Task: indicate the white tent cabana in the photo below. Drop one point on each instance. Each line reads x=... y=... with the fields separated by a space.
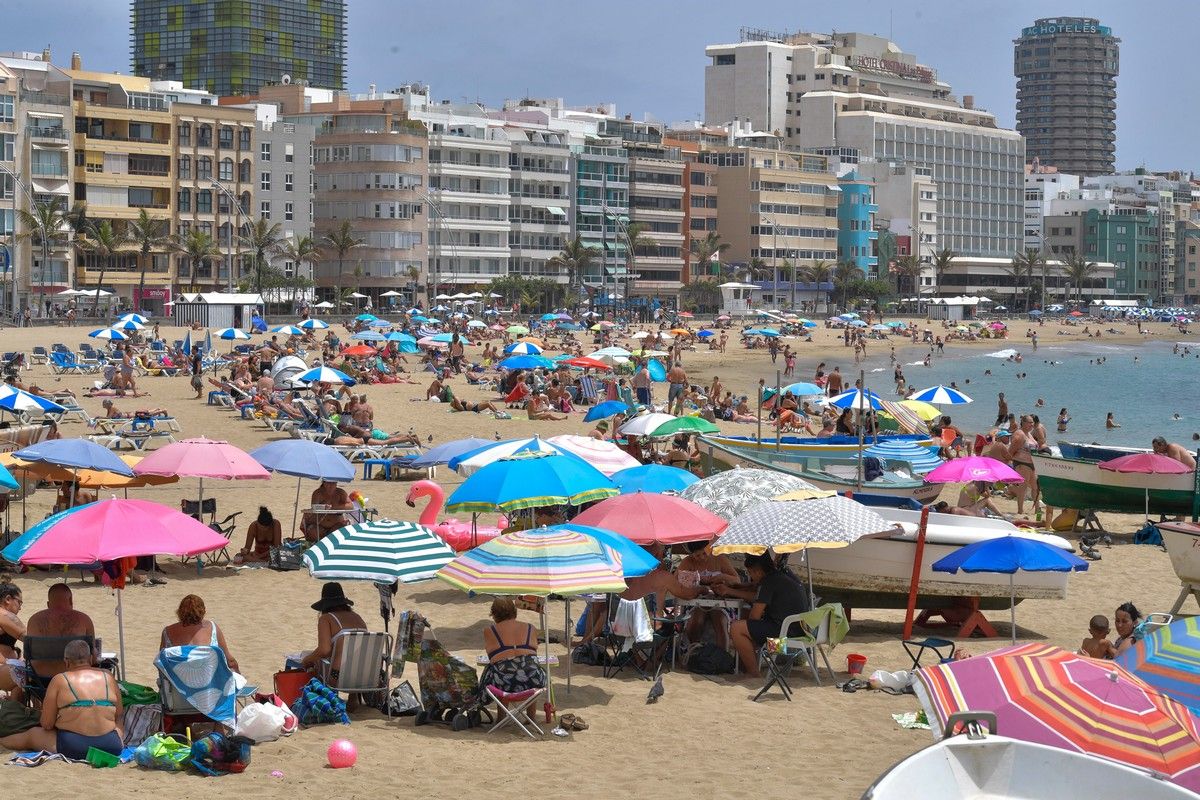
x=216 y=309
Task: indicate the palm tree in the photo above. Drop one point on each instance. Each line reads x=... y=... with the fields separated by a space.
x=844 y=276
x=941 y=264
x=634 y=241
x=105 y=242
x=575 y=259
x=299 y=251
x=197 y=247
x=908 y=269
x=757 y=268
x=148 y=234
x=263 y=238
x=1022 y=269
x=817 y=273
x=1079 y=271
x=340 y=241
x=44 y=225
x=704 y=250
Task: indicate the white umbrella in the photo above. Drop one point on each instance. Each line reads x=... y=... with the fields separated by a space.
x=358 y=296
x=324 y=304
x=391 y=293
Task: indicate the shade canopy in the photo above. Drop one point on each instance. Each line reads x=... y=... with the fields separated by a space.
x=108 y=334
x=302 y=458
x=1144 y=463
x=312 y=325
x=685 y=425
x=530 y=480
x=1008 y=554
x=526 y=362
x=786 y=526
x=653 y=478
x=202 y=458
x=231 y=334
x=858 y=400
x=609 y=408
x=941 y=396
x=383 y=551
x=74 y=454
x=436 y=456
x=635 y=560
x=20 y=401
x=325 y=375
x=473 y=460
x=288 y=330
x=973 y=468
x=523 y=349
x=603 y=455
x=646 y=424
x=1168 y=659
x=653 y=519
x=727 y=494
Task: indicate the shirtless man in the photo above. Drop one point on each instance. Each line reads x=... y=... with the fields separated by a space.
x=834 y=382
x=1175 y=451
x=58 y=618
x=1001 y=409
x=678 y=381
x=317 y=526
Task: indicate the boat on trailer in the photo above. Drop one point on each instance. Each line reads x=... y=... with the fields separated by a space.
x=1080 y=483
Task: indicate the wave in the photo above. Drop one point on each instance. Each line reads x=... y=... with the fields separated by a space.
x=1009 y=353
x=877 y=369
x=915 y=364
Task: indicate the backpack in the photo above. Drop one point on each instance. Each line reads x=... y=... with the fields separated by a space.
x=708 y=659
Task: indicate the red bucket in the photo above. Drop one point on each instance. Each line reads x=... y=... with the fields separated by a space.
x=855 y=663
x=289 y=683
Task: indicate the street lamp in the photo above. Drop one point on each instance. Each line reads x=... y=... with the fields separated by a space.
x=775 y=259
x=450 y=234
x=607 y=212
x=237 y=207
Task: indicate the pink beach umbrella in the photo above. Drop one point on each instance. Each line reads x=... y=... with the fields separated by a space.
x=202 y=458
x=973 y=468
x=114 y=529
x=648 y=518
x=1145 y=464
x=604 y=456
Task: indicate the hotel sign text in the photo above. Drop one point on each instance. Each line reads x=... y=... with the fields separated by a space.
x=923 y=74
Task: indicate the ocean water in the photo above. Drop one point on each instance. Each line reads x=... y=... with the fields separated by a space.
x=1144 y=385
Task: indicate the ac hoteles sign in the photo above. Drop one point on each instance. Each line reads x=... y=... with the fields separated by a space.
x=1053 y=29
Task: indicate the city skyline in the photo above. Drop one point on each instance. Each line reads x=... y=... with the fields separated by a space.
x=975 y=58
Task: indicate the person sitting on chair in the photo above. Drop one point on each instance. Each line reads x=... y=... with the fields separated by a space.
x=337 y=615
x=193 y=628
x=512 y=651
x=58 y=619
x=82 y=709
x=702 y=568
x=316 y=526
x=779 y=596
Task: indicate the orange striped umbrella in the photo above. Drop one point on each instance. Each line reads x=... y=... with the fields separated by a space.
x=1046 y=695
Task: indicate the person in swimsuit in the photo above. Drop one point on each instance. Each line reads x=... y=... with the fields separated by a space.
x=193 y=628
x=337 y=615
x=974 y=500
x=316 y=526
x=82 y=709
x=702 y=568
x=462 y=405
x=262 y=534
x=1020 y=445
x=11 y=630
x=1126 y=618
x=511 y=647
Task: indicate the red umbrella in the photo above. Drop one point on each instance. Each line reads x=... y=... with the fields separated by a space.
x=1145 y=464
x=358 y=351
x=586 y=363
x=648 y=518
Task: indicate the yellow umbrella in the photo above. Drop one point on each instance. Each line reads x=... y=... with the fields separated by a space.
x=532 y=340
x=680 y=332
x=805 y=494
x=924 y=410
x=38 y=469
x=101 y=479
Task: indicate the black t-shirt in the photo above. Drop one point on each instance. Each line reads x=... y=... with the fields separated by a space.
x=783 y=595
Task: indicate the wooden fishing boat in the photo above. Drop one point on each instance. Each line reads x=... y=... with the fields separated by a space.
x=1096 y=452
x=1079 y=483
x=1182 y=540
x=835 y=471
x=827 y=446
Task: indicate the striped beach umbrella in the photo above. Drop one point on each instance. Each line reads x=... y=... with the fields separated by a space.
x=326 y=375
x=108 y=335
x=530 y=480
x=857 y=400
x=604 y=456
x=472 y=461
x=134 y=317
x=523 y=349
x=1169 y=660
x=230 y=334
x=128 y=325
x=540 y=561
x=941 y=396
x=921 y=459
x=288 y=330
x=312 y=325
x=383 y=551
x=1046 y=695
x=20 y=401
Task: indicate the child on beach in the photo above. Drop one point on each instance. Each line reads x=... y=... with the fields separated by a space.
x=1097 y=644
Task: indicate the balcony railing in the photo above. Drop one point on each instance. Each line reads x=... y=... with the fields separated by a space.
x=37 y=97
x=38 y=132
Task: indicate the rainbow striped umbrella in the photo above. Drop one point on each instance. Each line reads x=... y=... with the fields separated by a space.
x=1046 y=695
x=530 y=480
x=540 y=561
x=1169 y=660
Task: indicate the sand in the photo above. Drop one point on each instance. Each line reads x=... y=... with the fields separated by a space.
x=703 y=738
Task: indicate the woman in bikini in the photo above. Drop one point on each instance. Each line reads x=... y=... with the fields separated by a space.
x=337 y=615
x=511 y=647
x=12 y=630
x=1020 y=447
x=193 y=628
x=262 y=534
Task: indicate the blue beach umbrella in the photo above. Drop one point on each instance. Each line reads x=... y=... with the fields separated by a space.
x=326 y=375
x=800 y=389
x=313 y=325
x=1168 y=658
x=75 y=454
x=135 y=317
x=635 y=560
x=1005 y=555
x=653 y=479
x=302 y=458
x=857 y=400
x=609 y=408
x=287 y=330
x=474 y=460
x=941 y=396
x=705 y=334
x=230 y=334
x=7 y=481
x=369 y=336
x=108 y=335
x=436 y=456
x=379 y=323
x=127 y=325
x=549 y=317
x=524 y=349
x=444 y=338
x=365 y=317
x=400 y=338
x=20 y=401
x=526 y=362
x=530 y=480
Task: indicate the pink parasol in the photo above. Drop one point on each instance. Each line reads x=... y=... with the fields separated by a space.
x=973 y=468
x=1145 y=463
x=997 y=326
x=649 y=518
x=604 y=456
x=202 y=458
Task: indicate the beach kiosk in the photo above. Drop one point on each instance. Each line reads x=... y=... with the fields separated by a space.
x=217 y=309
x=736 y=298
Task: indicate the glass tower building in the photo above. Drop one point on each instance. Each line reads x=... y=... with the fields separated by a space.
x=234 y=47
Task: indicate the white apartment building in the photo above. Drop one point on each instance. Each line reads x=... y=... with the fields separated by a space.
x=1042 y=187
x=1158 y=194
x=540 y=193
x=860 y=91
x=907 y=197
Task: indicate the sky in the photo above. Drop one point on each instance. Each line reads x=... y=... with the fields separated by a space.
x=647 y=56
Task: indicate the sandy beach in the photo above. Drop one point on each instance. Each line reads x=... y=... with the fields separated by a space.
x=703 y=738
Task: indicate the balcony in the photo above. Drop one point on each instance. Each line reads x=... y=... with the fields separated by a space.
x=58 y=134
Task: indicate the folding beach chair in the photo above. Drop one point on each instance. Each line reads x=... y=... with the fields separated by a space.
x=44 y=648
x=197 y=510
x=629 y=638
x=588 y=393
x=815 y=633
x=513 y=708
x=362 y=658
x=39 y=355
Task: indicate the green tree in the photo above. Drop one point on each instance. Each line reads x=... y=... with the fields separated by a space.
x=941 y=265
x=575 y=260
x=637 y=243
x=1021 y=269
x=702 y=296
x=148 y=234
x=1080 y=272
x=339 y=242
x=704 y=250
x=104 y=242
x=264 y=239
x=198 y=248
x=299 y=251
x=908 y=273
x=817 y=273
x=845 y=274
x=46 y=226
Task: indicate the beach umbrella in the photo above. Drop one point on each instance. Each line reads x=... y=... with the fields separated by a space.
x=704 y=334
x=288 y=330
x=533 y=340
x=359 y=351
x=603 y=455
x=312 y=325
x=786 y=526
x=858 y=400
x=1007 y=554
x=323 y=304
x=550 y=317
x=108 y=334
x=941 y=396
x=727 y=494
x=383 y=551
x=523 y=349
x=974 y=468
x=230 y=334
x=476 y=323
x=636 y=561
x=110 y=530
x=401 y=338
x=640 y=335
x=609 y=408
x=856 y=323
x=202 y=458
x=134 y=318
x=1145 y=464
x=369 y=336
x=128 y=325
x=1046 y=695
x=7 y=481
x=19 y=401
x=583 y=362
x=530 y=480
x=653 y=478
x=647 y=518
x=517 y=329
x=644 y=424
x=364 y=317
x=379 y=323
x=443 y=338
x=470 y=462
x=800 y=389
x=436 y=456
x=303 y=458
x=74 y=454
x=923 y=410
x=326 y=375
x=1168 y=658
x=997 y=326
x=848 y=315
x=431 y=342
x=526 y=362
x=892 y=324
x=685 y=425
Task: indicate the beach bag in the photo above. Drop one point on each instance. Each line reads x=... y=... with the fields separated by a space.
x=708 y=659
x=1149 y=534
x=286 y=557
x=318 y=703
x=261 y=722
x=402 y=701
x=134 y=694
x=141 y=721
x=169 y=752
x=218 y=754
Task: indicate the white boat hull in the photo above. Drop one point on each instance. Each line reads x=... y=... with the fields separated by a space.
x=1182 y=540
x=999 y=767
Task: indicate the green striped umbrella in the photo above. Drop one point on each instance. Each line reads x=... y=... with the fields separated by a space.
x=383 y=551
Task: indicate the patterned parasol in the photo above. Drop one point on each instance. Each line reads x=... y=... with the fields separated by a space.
x=731 y=492
x=1169 y=660
x=383 y=551
x=786 y=526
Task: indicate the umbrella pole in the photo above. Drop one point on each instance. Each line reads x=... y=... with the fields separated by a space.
x=296 y=506
x=567 y=640
x=121 y=629
x=778 y=403
x=758 y=410
x=862 y=394
x=1012 y=596
x=812 y=598
x=549 y=707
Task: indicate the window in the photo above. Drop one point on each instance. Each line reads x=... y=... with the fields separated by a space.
x=264 y=209
x=264 y=182
x=225 y=172
x=7 y=102
x=225 y=136
x=204 y=136
x=184 y=133
x=244 y=138
x=288 y=152
x=287 y=182
x=204 y=168
x=7 y=141
x=264 y=153
x=204 y=201
x=185 y=166
x=223 y=206
x=287 y=211
x=725 y=60
x=244 y=170
x=185 y=200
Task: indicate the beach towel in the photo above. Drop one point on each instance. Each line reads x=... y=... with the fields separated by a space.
x=201 y=674
x=318 y=703
x=36 y=759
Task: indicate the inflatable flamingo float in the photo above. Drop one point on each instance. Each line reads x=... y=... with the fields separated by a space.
x=454 y=532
